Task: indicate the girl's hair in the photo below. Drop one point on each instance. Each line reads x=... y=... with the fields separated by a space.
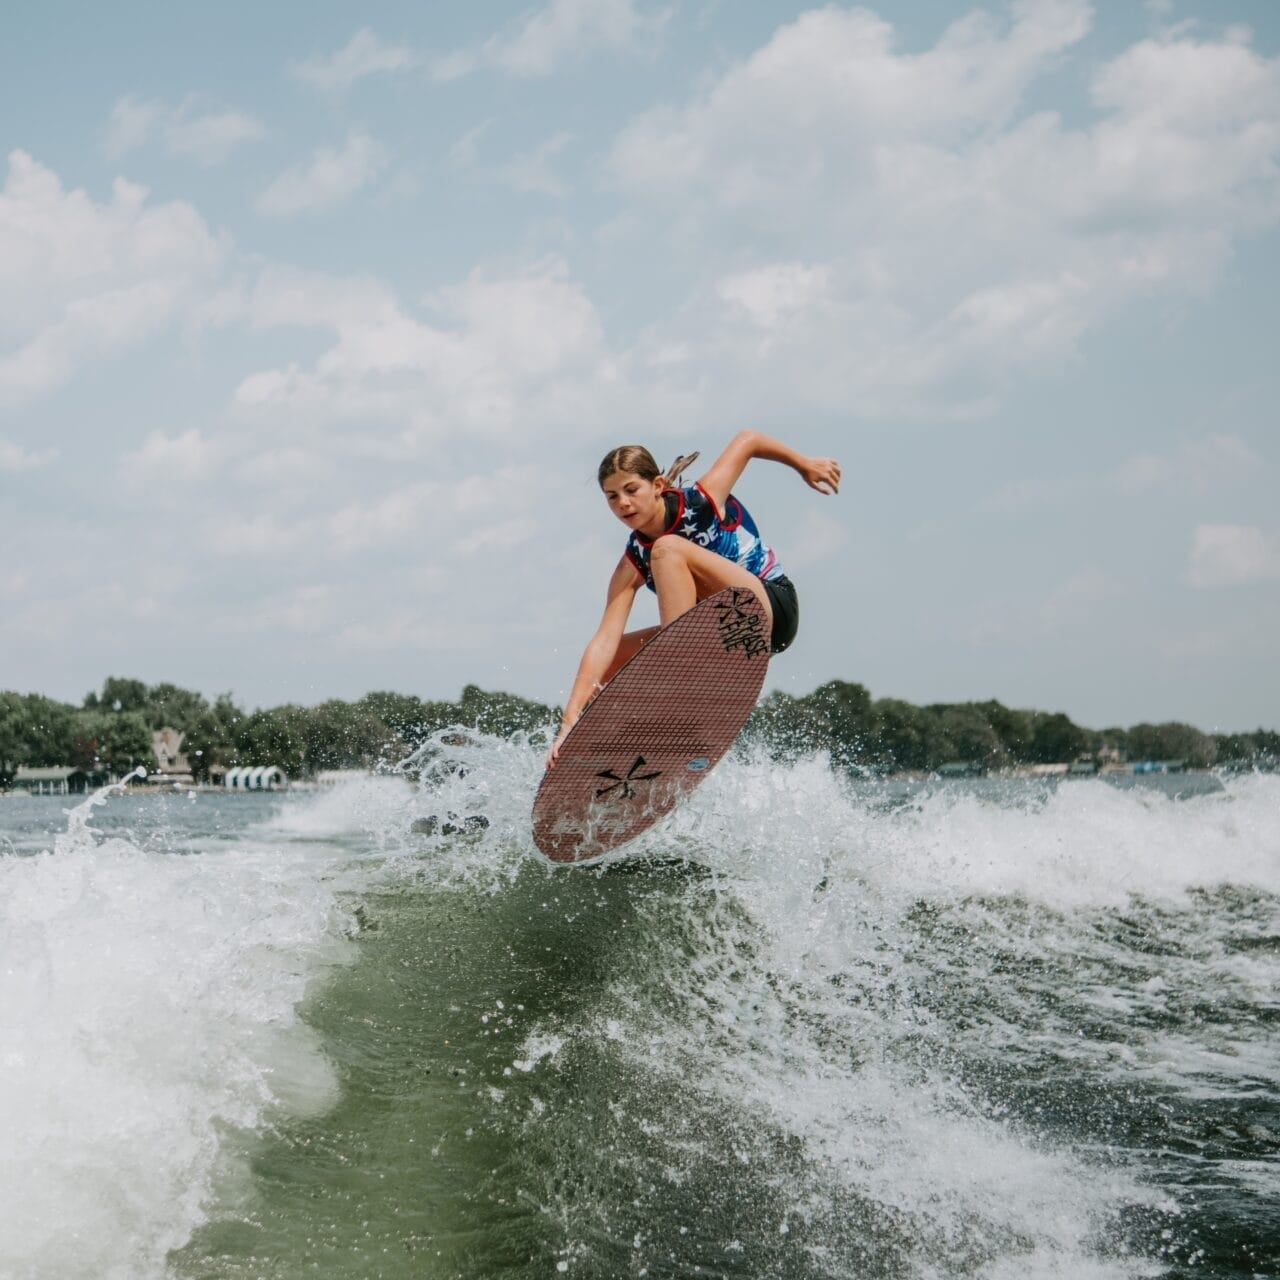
x=630 y=459
x=636 y=460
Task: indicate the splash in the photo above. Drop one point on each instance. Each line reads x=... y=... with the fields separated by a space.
x=149 y=1003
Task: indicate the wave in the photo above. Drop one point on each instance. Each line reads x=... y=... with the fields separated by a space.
x=874 y=1028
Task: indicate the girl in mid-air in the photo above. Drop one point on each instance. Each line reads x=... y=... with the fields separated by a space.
x=687 y=543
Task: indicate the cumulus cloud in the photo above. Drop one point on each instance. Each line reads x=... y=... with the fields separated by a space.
x=1233 y=555
x=488 y=352
x=80 y=278
x=14 y=458
x=328 y=178
x=394 y=517
x=561 y=32
x=770 y=296
x=960 y=234
x=206 y=134
x=258 y=536
x=1191 y=466
x=536 y=45
x=535 y=171
x=365 y=54
x=165 y=465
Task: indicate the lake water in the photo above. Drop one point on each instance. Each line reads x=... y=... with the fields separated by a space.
x=807 y=1027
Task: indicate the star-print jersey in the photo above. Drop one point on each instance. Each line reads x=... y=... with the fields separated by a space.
x=692 y=514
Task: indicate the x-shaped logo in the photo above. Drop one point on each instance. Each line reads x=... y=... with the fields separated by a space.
x=621 y=782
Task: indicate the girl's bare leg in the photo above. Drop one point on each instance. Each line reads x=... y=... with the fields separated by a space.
x=685 y=573
x=628 y=647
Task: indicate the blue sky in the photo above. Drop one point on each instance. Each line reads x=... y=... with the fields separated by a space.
x=314 y=324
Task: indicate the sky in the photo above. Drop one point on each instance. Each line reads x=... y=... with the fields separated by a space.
x=315 y=322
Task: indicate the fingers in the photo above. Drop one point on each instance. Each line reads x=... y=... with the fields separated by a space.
x=826 y=475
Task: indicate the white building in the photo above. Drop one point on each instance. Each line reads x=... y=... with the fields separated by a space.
x=255 y=777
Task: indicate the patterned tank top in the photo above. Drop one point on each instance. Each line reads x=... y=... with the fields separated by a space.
x=692 y=514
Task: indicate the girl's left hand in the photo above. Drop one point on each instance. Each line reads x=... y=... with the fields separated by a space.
x=822 y=474
x=554 y=751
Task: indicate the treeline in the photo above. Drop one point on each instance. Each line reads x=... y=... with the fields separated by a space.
x=885 y=735
x=111 y=731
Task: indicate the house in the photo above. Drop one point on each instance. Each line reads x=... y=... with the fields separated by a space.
x=57 y=780
x=259 y=777
x=166 y=746
x=961 y=769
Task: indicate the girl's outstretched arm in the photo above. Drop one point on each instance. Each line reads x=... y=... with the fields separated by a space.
x=822 y=474
x=601 y=649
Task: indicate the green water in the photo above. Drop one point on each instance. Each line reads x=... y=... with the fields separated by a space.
x=449 y=1153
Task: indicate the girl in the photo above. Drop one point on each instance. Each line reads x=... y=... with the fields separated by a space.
x=686 y=544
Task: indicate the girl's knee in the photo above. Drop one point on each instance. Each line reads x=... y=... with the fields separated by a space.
x=669 y=546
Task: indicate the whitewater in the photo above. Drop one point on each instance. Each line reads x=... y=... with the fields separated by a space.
x=808 y=1026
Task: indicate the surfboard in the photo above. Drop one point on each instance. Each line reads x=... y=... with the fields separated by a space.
x=656 y=729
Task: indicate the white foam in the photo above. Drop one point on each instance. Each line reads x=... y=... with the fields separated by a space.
x=149 y=1000
x=817 y=1036
x=1082 y=843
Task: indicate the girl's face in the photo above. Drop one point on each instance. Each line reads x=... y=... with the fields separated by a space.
x=637 y=502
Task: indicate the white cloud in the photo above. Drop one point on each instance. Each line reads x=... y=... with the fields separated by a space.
x=498 y=351
x=206 y=134
x=363 y=55
x=963 y=235
x=772 y=295
x=80 y=278
x=396 y=517
x=132 y=125
x=534 y=172
x=1233 y=555
x=167 y=461
x=329 y=178
x=1192 y=466
x=458 y=516
x=463 y=152
x=212 y=136
x=539 y=43
x=260 y=536
x=829 y=90
x=14 y=458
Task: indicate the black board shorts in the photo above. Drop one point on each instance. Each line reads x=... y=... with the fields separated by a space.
x=786 y=612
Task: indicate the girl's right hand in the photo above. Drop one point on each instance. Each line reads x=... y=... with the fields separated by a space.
x=822 y=474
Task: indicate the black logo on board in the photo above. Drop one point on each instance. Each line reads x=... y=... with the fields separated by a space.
x=741 y=627
x=621 y=782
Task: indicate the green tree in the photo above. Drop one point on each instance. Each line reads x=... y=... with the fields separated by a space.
x=964 y=733
x=839 y=715
x=118 y=694
x=1171 y=741
x=901 y=735
x=1013 y=728
x=114 y=741
x=125 y=742
x=501 y=713
x=14 y=736
x=341 y=736
x=784 y=725
x=168 y=705
x=411 y=718
x=1055 y=739
x=40 y=731
x=210 y=739
x=274 y=737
